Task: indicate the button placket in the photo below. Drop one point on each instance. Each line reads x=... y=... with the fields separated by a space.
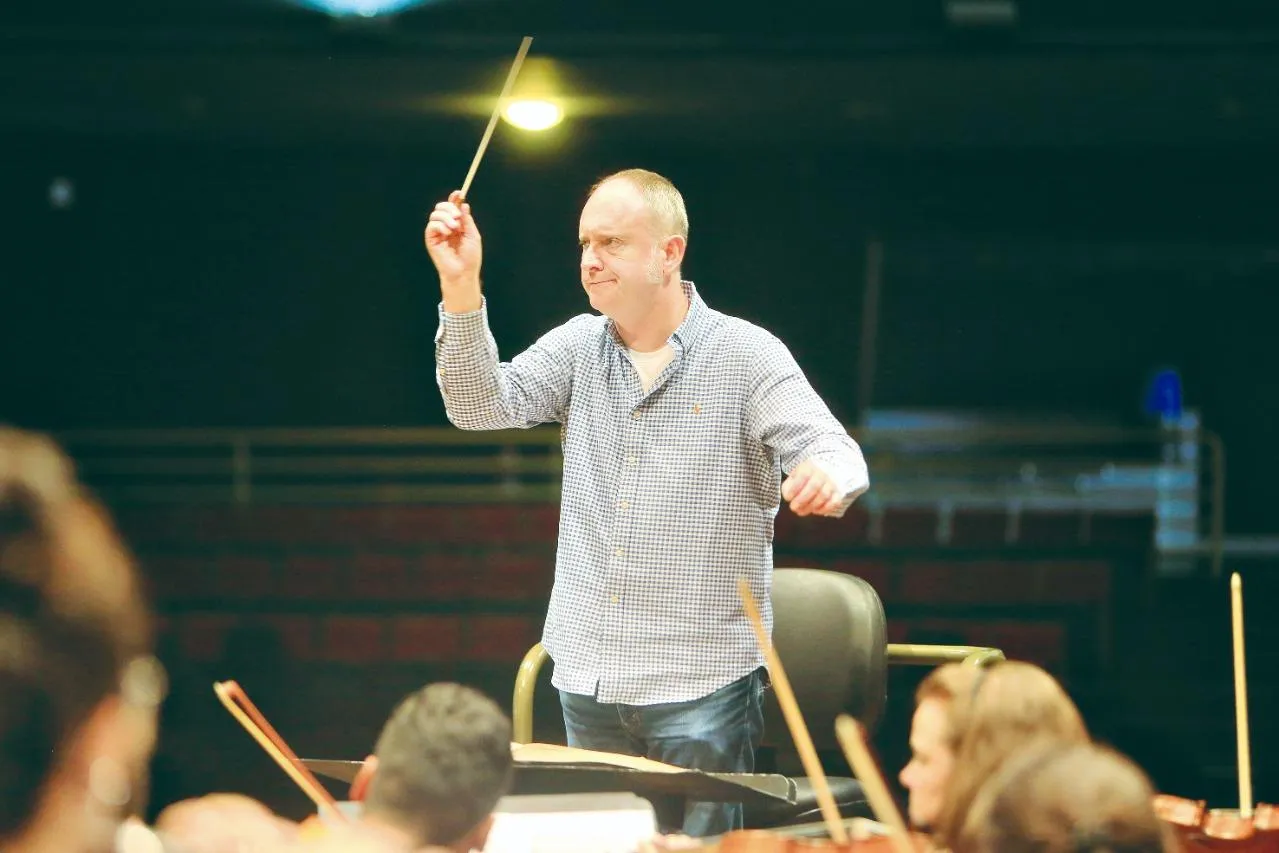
x=627 y=486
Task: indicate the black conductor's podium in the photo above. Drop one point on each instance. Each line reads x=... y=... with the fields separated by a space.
x=550 y=769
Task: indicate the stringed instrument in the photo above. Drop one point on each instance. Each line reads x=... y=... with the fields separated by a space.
x=1247 y=829
x=889 y=835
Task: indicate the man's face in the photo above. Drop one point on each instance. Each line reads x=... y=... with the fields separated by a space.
x=622 y=259
x=927 y=774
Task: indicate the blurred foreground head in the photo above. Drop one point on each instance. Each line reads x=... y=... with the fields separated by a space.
x=222 y=823
x=1062 y=797
x=968 y=720
x=79 y=688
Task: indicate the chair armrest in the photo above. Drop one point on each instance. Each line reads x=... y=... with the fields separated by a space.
x=525 y=684
x=898 y=653
x=935 y=655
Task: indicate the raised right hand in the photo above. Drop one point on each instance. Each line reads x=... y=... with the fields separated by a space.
x=453 y=242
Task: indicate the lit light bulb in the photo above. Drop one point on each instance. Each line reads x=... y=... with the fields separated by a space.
x=360 y=8
x=533 y=114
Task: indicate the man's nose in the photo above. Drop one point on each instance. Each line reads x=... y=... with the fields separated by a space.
x=590 y=260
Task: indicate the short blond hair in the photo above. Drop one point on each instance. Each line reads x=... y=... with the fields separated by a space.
x=662 y=199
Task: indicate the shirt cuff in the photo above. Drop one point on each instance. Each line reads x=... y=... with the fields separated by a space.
x=850 y=475
x=465 y=326
x=455 y=316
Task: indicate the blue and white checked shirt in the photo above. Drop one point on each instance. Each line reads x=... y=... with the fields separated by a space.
x=668 y=496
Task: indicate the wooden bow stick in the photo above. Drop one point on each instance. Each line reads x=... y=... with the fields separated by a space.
x=246 y=713
x=1241 y=698
x=794 y=719
x=852 y=738
x=497 y=112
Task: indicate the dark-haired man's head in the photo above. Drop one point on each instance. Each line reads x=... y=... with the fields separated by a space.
x=444 y=760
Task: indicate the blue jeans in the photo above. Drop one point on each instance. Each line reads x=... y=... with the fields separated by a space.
x=716 y=733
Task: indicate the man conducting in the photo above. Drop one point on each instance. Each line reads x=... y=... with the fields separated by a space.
x=678 y=424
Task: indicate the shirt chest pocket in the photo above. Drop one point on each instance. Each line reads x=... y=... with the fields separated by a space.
x=684 y=433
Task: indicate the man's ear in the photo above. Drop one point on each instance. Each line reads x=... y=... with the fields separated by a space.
x=673 y=252
x=476 y=838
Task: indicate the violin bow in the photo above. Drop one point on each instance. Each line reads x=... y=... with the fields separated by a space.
x=794 y=719
x=1241 y=698
x=237 y=702
x=852 y=739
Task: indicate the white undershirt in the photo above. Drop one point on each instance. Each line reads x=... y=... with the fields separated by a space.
x=649 y=365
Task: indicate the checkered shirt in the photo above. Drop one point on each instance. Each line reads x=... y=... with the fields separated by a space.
x=668 y=496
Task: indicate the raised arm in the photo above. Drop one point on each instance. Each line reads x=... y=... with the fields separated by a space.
x=479 y=391
x=453 y=242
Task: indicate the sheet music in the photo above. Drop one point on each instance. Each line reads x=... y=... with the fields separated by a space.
x=568 y=823
x=549 y=753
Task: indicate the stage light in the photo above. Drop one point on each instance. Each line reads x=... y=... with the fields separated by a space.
x=529 y=114
x=360 y=8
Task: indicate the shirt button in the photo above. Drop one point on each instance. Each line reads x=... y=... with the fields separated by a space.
x=613 y=598
x=630 y=460
x=618 y=552
x=635 y=415
x=625 y=504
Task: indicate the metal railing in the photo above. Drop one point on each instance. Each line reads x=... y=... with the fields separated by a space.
x=1013 y=469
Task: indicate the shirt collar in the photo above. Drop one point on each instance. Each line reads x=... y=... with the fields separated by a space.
x=690 y=329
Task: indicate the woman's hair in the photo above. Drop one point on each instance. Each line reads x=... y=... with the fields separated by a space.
x=1060 y=797
x=993 y=712
x=72 y=619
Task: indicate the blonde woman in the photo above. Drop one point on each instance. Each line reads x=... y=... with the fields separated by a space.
x=967 y=721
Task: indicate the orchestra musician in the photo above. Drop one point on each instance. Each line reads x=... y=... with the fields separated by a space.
x=967 y=721
x=79 y=687
x=1058 y=796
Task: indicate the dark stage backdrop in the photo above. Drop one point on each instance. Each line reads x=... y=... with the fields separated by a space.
x=202 y=285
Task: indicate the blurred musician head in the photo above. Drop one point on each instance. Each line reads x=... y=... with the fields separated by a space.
x=967 y=721
x=1059 y=797
x=222 y=823
x=79 y=690
x=444 y=760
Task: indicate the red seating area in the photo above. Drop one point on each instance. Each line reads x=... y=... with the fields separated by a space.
x=468 y=584
x=328 y=615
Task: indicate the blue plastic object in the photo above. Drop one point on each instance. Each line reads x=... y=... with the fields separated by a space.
x=1164 y=395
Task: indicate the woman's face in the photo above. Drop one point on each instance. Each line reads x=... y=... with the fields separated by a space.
x=927 y=774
